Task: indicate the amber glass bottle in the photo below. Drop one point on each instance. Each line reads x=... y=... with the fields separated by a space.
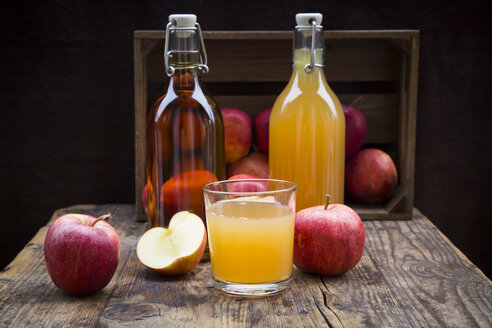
x=185 y=131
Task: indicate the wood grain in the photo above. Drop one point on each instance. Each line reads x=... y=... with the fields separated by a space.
x=428 y=276
x=250 y=60
x=329 y=34
x=410 y=275
x=140 y=67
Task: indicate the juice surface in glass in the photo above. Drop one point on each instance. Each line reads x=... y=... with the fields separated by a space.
x=307 y=135
x=250 y=241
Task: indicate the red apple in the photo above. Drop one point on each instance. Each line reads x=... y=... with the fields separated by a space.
x=262 y=123
x=184 y=192
x=255 y=164
x=355 y=130
x=247 y=186
x=370 y=176
x=81 y=253
x=145 y=200
x=237 y=134
x=328 y=240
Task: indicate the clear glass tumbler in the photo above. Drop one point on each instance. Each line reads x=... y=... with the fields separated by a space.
x=250 y=226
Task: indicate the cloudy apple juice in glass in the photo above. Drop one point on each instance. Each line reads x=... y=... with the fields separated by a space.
x=250 y=226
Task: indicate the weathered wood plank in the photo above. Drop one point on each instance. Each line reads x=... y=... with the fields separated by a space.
x=410 y=275
x=412 y=121
x=253 y=60
x=245 y=35
x=191 y=300
x=429 y=277
x=140 y=72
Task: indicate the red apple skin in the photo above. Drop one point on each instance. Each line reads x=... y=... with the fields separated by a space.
x=328 y=242
x=355 y=130
x=255 y=164
x=237 y=134
x=262 y=124
x=370 y=176
x=247 y=186
x=81 y=259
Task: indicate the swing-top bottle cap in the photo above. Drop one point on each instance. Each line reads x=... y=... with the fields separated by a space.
x=183 y=20
x=305 y=19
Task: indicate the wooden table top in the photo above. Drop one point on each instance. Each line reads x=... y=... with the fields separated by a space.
x=410 y=275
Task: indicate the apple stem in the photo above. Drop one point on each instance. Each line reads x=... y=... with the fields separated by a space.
x=328 y=199
x=356 y=101
x=255 y=148
x=104 y=217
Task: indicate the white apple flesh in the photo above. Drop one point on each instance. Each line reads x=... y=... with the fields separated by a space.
x=328 y=241
x=81 y=257
x=176 y=249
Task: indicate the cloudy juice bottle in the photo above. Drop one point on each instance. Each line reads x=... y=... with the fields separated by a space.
x=307 y=124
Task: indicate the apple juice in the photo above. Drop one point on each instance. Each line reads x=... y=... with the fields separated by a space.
x=185 y=132
x=307 y=125
x=250 y=241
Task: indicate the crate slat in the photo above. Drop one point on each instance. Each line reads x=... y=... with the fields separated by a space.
x=246 y=60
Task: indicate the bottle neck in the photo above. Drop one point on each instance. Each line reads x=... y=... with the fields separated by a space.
x=184 y=53
x=302 y=58
x=184 y=57
x=303 y=38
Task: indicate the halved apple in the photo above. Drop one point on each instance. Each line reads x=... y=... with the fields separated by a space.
x=175 y=250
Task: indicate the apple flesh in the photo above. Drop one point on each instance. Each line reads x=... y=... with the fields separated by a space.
x=355 y=130
x=174 y=250
x=237 y=134
x=262 y=124
x=248 y=185
x=328 y=240
x=255 y=164
x=81 y=253
x=370 y=176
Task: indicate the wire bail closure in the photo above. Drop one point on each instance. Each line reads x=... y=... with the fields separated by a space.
x=202 y=66
x=309 y=68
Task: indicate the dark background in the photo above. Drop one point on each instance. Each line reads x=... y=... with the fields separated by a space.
x=67 y=120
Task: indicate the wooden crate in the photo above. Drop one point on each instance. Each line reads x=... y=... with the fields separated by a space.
x=249 y=69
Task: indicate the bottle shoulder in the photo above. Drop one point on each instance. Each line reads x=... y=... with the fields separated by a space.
x=295 y=97
x=174 y=100
x=301 y=100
